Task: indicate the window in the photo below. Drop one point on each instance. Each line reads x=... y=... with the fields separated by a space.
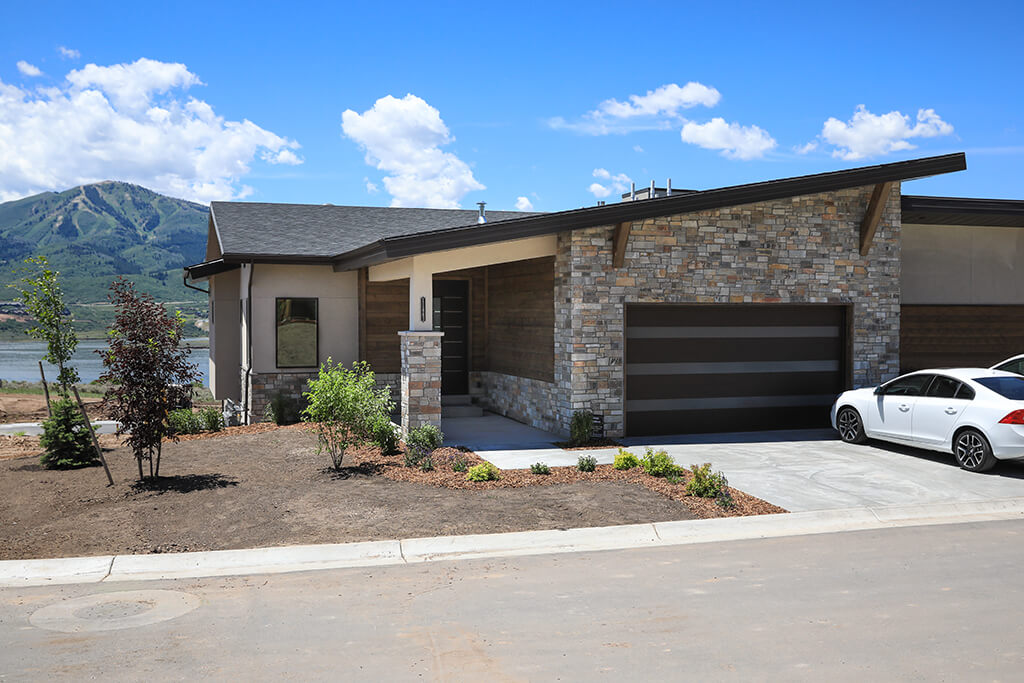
x=1008 y=387
x=911 y=385
x=943 y=387
x=296 y=333
x=1016 y=366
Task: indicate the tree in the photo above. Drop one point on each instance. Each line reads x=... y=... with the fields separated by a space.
x=146 y=365
x=43 y=298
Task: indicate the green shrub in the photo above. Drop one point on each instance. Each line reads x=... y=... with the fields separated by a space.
x=581 y=428
x=485 y=471
x=212 y=419
x=540 y=468
x=460 y=463
x=705 y=483
x=427 y=464
x=586 y=463
x=420 y=443
x=346 y=407
x=183 y=421
x=625 y=460
x=659 y=464
x=385 y=435
x=282 y=409
x=66 y=438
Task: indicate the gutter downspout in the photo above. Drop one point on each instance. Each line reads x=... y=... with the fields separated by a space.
x=248 y=343
x=184 y=281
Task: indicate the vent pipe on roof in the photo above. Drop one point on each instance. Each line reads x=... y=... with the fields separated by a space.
x=632 y=192
x=600 y=202
x=668 y=188
x=482 y=218
x=651 y=195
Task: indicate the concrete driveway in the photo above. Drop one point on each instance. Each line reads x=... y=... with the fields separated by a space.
x=798 y=470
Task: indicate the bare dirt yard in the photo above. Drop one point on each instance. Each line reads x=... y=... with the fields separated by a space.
x=32 y=407
x=266 y=486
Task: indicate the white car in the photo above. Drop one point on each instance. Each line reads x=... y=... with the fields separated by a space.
x=1015 y=365
x=975 y=413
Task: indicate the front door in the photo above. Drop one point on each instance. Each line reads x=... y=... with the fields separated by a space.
x=451 y=316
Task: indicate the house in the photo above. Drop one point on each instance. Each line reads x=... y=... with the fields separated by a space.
x=743 y=307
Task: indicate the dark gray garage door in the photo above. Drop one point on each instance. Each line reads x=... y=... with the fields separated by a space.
x=736 y=367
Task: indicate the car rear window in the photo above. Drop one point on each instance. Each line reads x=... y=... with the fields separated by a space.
x=1009 y=387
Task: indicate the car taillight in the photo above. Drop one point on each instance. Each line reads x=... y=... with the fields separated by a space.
x=1014 y=418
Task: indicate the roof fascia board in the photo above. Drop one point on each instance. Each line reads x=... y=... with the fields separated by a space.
x=532 y=226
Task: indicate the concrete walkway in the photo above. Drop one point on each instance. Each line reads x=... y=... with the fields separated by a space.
x=36 y=428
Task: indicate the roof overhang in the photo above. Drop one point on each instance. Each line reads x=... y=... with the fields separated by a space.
x=202 y=271
x=453 y=238
x=962 y=211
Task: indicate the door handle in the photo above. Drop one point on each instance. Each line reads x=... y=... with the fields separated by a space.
x=904 y=407
x=951 y=411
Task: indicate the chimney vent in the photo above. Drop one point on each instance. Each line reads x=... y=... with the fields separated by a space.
x=668 y=187
x=632 y=192
x=482 y=218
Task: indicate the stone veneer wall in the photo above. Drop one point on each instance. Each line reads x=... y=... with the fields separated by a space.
x=266 y=385
x=421 y=379
x=795 y=250
x=522 y=398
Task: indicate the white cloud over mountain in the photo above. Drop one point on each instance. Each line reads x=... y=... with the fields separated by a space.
x=130 y=122
x=403 y=137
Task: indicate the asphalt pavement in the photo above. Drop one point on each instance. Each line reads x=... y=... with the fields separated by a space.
x=933 y=602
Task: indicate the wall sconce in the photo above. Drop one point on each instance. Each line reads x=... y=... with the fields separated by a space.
x=423 y=309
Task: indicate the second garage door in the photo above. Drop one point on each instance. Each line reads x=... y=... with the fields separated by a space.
x=727 y=368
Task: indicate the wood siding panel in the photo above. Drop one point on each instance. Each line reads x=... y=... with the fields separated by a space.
x=959 y=336
x=386 y=313
x=521 y=318
x=477 y=311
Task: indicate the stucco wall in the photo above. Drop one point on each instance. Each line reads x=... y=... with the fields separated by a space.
x=338 y=307
x=953 y=264
x=796 y=250
x=225 y=344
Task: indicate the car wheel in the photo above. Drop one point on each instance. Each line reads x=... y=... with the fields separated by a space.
x=850 y=426
x=973 y=452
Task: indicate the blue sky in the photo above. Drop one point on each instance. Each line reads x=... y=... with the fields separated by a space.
x=531 y=100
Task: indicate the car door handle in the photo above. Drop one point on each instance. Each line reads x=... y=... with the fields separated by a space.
x=904 y=407
x=951 y=411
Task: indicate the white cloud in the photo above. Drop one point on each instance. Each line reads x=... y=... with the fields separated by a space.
x=371 y=186
x=404 y=137
x=617 y=183
x=734 y=141
x=638 y=149
x=806 y=149
x=867 y=134
x=131 y=86
x=659 y=109
x=666 y=100
x=29 y=69
x=523 y=204
x=68 y=53
x=128 y=122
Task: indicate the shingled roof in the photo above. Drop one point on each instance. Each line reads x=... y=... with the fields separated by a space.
x=321 y=231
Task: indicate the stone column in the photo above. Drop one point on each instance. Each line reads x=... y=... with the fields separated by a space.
x=421 y=379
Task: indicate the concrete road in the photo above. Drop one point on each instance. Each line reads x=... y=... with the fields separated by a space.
x=932 y=603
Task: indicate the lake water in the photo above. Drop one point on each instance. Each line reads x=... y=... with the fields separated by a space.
x=18 y=360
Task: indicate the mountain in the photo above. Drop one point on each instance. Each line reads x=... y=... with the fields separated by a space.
x=93 y=233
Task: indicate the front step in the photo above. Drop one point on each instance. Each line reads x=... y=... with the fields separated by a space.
x=459 y=405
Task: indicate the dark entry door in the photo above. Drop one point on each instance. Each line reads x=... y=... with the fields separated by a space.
x=729 y=368
x=451 y=316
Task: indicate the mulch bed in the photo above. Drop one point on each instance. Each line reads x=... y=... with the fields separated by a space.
x=370 y=459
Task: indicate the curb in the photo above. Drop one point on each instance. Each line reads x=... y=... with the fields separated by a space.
x=73 y=570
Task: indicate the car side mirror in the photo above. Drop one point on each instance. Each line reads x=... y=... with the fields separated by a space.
x=879 y=391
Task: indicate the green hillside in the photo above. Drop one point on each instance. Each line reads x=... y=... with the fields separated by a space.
x=92 y=233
